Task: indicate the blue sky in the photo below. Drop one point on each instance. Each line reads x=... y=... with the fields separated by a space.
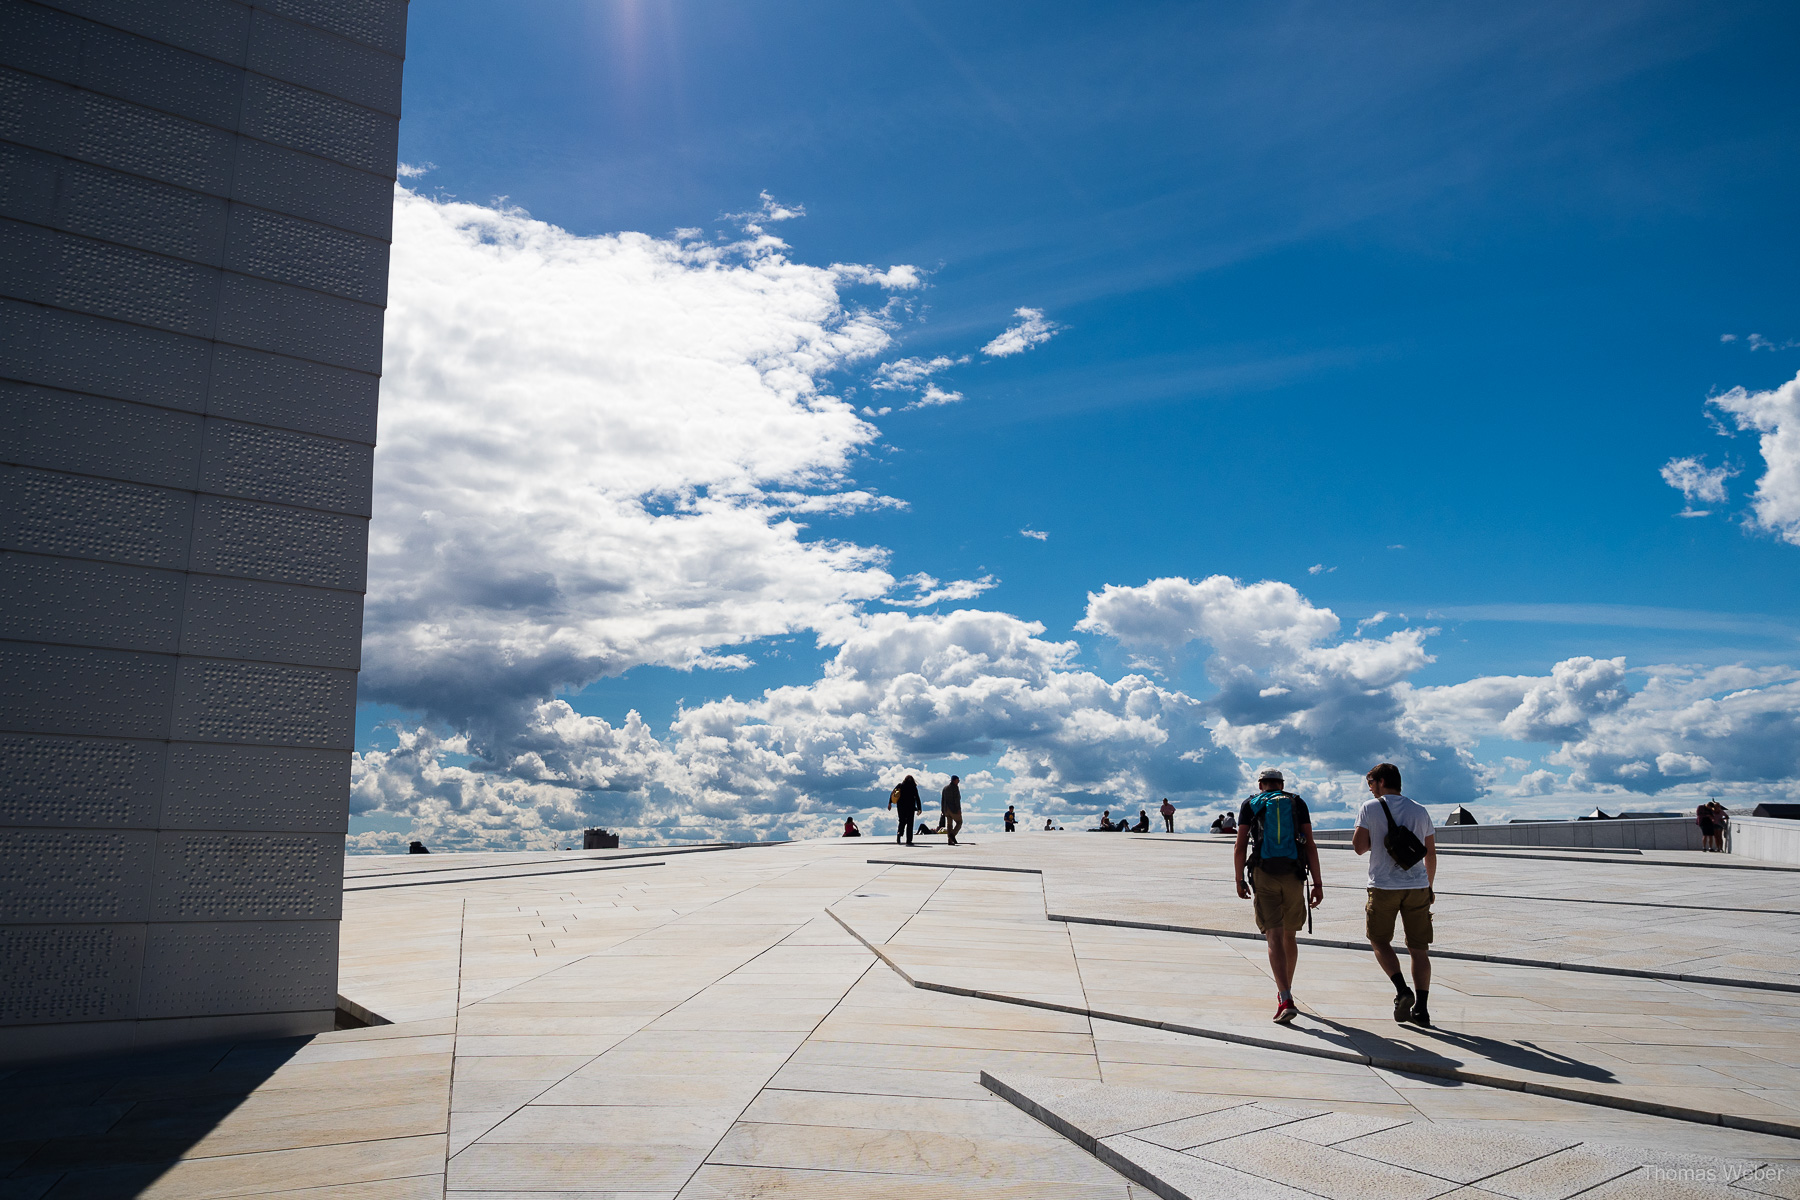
x=1422 y=297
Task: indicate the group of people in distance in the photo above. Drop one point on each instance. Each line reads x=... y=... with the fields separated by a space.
x=905 y=803
x=1275 y=843
x=1714 y=819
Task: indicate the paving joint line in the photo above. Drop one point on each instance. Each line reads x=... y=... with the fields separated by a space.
x=1711 y=908
x=1461 y=955
x=1378 y=1062
x=381 y=887
x=592 y=1059
x=446 y=869
x=1630 y=855
x=894 y=862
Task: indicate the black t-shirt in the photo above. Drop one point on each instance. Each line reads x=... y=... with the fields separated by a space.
x=1247 y=820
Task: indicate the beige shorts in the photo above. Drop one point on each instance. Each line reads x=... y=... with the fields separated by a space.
x=1280 y=901
x=1411 y=905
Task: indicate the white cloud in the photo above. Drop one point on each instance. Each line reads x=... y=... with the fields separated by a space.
x=769 y=212
x=1728 y=337
x=903 y=689
x=908 y=374
x=1697 y=482
x=1319 y=569
x=414 y=170
x=896 y=278
x=1033 y=329
x=1035 y=534
x=1285 y=688
x=1538 y=783
x=1687 y=725
x=1775 y=414
x=1759 y=342
x=593 y=451
x=933 y=395
x=599 y=453
x=929 y=591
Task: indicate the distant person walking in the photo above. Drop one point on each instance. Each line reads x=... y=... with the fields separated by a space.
x=1012 y=821
x=1276 y=830
x=1168 y=815
x=904 y=799
x=1396 y=833
x=951 y=800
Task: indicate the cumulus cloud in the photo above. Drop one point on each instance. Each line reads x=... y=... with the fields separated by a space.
x=1697 y=482
x=1287 y=686
x=1688 y=725
x=909 y=374
x=896 y=278
x=1538 y=783
x=601 y=453
x=902 y=689
x=929 y=591
x=594 y=452
x=933 y=395
x=1775 y=415
x=1032 y=329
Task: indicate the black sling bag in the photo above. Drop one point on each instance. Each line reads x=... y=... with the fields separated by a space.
x=1403 y=845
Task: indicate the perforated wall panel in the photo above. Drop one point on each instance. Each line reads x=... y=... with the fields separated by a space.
x=195 y=204
x=51 y=974
x=90 y=783
x=197 y=969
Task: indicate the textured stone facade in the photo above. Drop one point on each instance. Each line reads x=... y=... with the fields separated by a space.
x=195 y=205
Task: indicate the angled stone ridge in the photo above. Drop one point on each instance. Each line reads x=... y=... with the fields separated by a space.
x=1184 y=1146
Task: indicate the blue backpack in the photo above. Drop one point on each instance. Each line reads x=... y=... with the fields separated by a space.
x=1273 y=813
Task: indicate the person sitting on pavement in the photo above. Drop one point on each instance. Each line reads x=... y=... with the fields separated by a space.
x=850 y=829
x=1106 y=824
x=1143 y=822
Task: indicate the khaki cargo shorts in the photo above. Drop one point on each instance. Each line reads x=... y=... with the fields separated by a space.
x=1280 y=901
x=1411 y=905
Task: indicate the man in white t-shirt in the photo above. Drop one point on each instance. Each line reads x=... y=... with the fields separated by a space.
x=1397 y=892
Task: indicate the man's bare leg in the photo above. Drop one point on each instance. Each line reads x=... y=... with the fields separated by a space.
x=1283 y=953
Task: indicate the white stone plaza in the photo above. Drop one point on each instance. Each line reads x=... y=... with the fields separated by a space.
x=1031 y=1015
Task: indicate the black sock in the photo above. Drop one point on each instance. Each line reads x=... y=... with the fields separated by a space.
x=1399 y=983
x=1420 y=1001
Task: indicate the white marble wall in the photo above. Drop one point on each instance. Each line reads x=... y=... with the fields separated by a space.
x=1769 y=838
x=195 y=205
x=1655 y=833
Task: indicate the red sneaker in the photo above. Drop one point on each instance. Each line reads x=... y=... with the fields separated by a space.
x=1285 y=1012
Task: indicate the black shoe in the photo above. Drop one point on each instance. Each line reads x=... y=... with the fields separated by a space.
x=1403 y=1005
x=1421 y=1017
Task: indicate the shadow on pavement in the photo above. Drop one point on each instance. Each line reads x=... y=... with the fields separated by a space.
x=1520 y=1055
x=107 y=1127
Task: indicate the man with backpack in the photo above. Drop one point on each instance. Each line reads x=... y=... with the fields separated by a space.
x=1396 y=834
x=1276 y=830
